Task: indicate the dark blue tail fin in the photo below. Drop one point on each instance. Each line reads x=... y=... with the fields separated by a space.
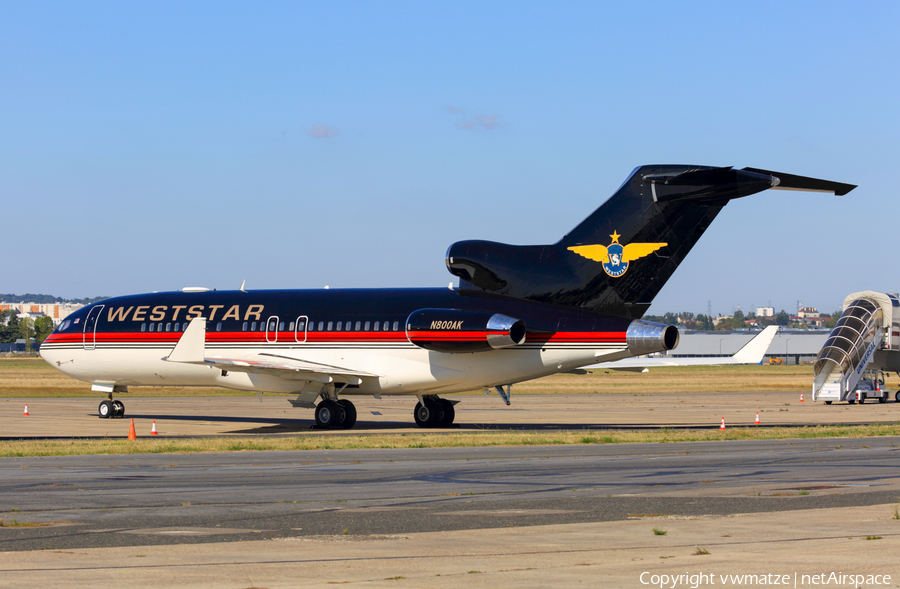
x=619 y=258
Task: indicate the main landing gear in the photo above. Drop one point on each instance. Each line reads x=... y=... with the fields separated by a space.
x=334 y=414
x=432 y=411
x=111 y=408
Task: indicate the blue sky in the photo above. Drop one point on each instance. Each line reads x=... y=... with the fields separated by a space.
x=155 y=145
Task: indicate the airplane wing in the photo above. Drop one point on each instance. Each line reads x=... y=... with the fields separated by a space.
x=191 y=349
x=752 y=353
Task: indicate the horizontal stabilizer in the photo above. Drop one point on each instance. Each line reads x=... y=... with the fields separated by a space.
x=792 y=182
x=707 y=177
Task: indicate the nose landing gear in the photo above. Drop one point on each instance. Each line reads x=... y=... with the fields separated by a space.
x=111 y=408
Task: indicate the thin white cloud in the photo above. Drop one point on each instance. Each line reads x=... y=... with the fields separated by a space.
x=484 y=122
x=470 y=121
x=322 y=131
x=488 y=122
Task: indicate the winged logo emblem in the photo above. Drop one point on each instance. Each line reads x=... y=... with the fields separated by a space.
x=616 y=257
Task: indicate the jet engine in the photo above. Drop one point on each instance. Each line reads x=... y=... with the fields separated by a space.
x=647 y=337
x=454 y=330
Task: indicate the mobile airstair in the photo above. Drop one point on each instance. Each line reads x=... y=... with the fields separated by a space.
x=865 y=328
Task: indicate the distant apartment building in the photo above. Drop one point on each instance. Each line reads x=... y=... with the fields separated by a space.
x=765 y=311
x=56 y=311
x=808 y=312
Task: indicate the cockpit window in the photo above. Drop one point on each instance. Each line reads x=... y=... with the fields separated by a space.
x=64 y=325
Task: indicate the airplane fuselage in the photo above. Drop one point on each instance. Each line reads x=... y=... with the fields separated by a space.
x=123 y=341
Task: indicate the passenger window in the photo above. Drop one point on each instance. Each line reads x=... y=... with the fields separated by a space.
x=168 y=327
x=367 y=326
x=377 y=325
x=143 y=327
x=219 y=326
x=245 y=326
x=290 y=326
x=177 y=326
x=329 y=325
x=281 y=326
x=152 y=326
x=338 y=326
x=396 y=325
x=357 y=326
x=253 y=326
x=321 y=324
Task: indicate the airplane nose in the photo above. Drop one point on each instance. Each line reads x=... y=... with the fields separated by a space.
x=53 y=358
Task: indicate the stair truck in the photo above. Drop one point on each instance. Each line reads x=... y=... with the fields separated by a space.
x=864 y=344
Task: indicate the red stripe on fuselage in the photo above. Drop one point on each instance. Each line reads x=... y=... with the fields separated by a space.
x=332 y=336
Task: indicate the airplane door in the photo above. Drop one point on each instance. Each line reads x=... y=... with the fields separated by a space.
x=90 y=327
x=300 y=331
x=272 y=329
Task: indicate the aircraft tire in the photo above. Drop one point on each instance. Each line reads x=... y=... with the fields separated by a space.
x=449 y=413
x=118 y=408
x=105 y=409
x=828 y=402
x=428 y=415
x=349 y=409
x=328 y=414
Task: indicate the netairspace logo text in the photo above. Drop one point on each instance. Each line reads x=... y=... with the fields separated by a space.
x=696 y=580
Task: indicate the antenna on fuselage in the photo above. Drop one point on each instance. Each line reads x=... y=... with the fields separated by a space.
x=243 y=282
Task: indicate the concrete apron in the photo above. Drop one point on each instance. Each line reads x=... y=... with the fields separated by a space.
x=613 y=554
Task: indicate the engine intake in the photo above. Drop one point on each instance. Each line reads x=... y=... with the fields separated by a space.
x=453 y=330
x=646 y=337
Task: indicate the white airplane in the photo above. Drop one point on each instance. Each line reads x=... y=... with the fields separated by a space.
x=519 y=313
x=751 y=353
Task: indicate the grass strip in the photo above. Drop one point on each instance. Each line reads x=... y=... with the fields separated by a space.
x=23 y=448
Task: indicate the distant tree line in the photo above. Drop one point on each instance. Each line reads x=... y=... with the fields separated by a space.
x=703 y=322
x=13 y=328
x=43 y=299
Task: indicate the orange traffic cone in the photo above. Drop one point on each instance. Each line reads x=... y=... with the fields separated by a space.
x=801 y=396
x=757 y=419
x=723 y=424
x=131 y=434
x=153 y=429
x=26 y=409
